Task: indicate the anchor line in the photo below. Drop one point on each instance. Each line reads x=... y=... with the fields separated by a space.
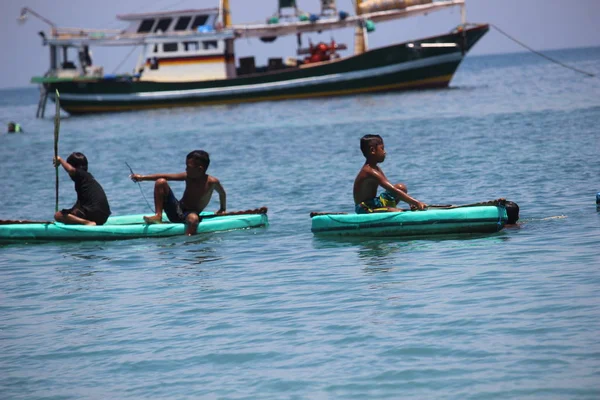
x=541 y=54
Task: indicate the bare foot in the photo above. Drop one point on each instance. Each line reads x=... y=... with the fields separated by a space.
x=90 y=223
x=155 y=219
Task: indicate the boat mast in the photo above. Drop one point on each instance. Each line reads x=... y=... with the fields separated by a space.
x=229 y=49
x=225 y=13
x=360 y=34
x=25 y=11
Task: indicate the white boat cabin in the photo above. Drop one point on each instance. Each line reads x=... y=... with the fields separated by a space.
x=177 y=46
x=182 y=46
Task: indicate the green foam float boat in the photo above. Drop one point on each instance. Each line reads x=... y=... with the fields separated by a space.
x=451 y=220
x=124 y=227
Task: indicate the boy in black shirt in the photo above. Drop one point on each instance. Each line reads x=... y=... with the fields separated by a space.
x=91 y=207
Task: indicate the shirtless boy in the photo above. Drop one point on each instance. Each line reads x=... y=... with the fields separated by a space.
x=199 y=187
x=370 y=177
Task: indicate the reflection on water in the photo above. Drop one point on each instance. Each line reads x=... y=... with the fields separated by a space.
x=376 y=255
x=201 y=255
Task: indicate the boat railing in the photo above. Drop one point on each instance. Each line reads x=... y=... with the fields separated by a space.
x=295 y=27
x=113 y=37
x=105 y=37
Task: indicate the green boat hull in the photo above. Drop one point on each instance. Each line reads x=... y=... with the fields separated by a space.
x=411 y=65
x=480 y=219
x=123 y=227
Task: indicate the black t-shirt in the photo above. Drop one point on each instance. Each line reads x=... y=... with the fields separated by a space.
x=90 y=195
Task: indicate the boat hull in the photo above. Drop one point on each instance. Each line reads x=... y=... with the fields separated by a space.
x=124 y=227
x=480 y=219
x=421 y=64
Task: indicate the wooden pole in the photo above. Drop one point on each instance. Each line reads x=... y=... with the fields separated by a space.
x=226 y=14
x=56 y=132
x=359 y=33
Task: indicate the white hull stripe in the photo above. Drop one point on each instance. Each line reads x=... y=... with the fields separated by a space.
x=263 y=87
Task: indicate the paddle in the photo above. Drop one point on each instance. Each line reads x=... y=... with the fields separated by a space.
x=496 y=202
x=56 y=131
x=140 y=186
x=316 y=214
x=261 y=210
x=22 y=221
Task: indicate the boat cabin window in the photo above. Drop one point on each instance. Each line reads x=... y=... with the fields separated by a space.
x=209 y=44
x=163 y=24
x=182 y=23
x=146 y=26
x=199 y=21
x=191 y=46
x=170 y=47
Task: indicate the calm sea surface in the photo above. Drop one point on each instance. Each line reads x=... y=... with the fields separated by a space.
x=275 y=312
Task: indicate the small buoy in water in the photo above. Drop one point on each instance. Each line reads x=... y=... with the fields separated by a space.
x=598 y=199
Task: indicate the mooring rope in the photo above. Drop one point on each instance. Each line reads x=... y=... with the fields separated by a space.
x=541 y=54
x=124 y=59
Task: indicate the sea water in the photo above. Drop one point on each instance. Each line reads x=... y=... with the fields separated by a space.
x=275 y=312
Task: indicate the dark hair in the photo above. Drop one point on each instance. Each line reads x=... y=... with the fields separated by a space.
x=512 y=211
x=368 y=141
x=78 y=161
x=200 y=157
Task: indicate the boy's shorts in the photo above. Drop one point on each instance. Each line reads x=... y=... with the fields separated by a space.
x=174 y=209
x=384 y=201
x=97 y=217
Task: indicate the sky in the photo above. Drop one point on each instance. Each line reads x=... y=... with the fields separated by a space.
x=541 y=24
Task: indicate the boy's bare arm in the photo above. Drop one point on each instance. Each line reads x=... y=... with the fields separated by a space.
x=387 y=185
x=222 y=196
x=154 y=177
x=67 y=167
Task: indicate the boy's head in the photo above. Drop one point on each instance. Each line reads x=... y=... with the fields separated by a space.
x=195 y=161
x=78 y=161
x=368 y=143
x=512 y=211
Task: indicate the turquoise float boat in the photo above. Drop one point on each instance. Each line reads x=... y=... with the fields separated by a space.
x=468 y=219
x=123 y=227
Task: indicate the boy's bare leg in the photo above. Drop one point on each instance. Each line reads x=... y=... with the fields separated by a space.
x=402 y=187
x=71 y=219
x=161 y=190
x=394 y=209
x=387 y=209
x=191 y=223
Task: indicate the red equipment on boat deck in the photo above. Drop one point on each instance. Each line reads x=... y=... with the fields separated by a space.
x=322 y=52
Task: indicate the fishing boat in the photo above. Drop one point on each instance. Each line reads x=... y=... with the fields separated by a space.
x=188 y=57
x=434 y=221
x=123 y=227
